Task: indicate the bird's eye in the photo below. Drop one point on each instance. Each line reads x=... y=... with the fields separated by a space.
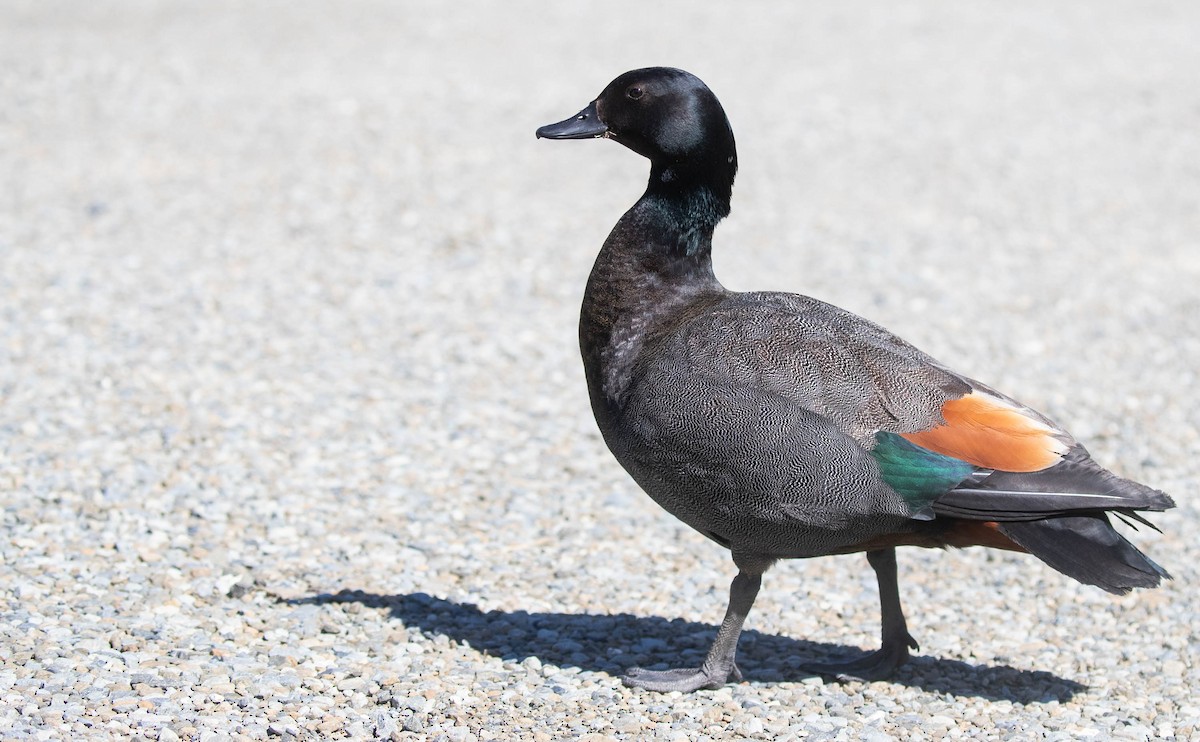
x=633 y=93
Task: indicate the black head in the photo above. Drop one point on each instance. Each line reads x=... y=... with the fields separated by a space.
x=666 y=115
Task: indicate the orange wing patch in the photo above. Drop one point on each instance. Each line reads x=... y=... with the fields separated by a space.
x=993 y=433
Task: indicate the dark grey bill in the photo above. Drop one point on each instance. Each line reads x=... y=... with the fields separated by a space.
x=582 y=125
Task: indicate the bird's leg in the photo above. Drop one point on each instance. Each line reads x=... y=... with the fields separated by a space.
x=896 y=639
x=720 y=664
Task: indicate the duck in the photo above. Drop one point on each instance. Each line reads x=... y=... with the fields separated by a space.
x=783 y=427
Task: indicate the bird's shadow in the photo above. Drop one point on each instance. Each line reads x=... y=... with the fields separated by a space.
x=613 y=643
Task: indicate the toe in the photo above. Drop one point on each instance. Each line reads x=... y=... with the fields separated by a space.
x=681 y=679
x=878 y=665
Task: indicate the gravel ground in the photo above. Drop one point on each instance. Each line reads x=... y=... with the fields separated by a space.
x=293 y=432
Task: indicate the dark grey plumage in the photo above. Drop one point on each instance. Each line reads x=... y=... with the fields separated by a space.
x=782 y=427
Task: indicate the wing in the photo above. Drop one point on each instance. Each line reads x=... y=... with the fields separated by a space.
x=750 y=468
x=810 y=430
x=772 y=453
x=941 y=440
x=859 y=376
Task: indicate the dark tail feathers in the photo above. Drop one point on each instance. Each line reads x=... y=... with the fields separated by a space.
x=1088 y=549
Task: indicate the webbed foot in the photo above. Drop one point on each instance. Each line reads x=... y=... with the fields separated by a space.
x=877 y=665
x=684 y=679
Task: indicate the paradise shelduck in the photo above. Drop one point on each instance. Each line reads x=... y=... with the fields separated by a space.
x=782 y=427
